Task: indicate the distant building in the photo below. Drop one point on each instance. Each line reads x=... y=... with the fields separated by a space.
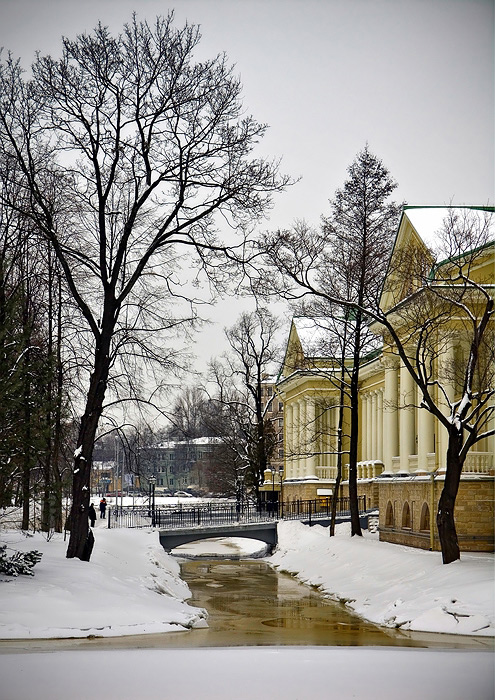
x=273 y=408
x=180 y=464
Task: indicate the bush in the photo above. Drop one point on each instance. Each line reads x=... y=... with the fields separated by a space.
x=19 y=562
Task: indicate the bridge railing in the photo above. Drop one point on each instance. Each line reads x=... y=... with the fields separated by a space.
x=185 y=515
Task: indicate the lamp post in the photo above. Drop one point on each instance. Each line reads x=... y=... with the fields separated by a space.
x=241 y=487
x=152 y=482
x=272 y=469
x=281 y=477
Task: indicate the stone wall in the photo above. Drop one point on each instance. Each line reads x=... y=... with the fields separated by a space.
x=407 y=505
x=301 y=491
x=403 y=503
x=365 y=487
x=305 y=491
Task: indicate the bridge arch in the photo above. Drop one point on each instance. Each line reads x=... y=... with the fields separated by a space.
x=265 y=532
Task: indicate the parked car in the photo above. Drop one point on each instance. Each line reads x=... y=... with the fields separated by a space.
x=183 y=494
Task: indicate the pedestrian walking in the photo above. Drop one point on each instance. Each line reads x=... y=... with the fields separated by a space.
x=103 y=505
x=92 y=515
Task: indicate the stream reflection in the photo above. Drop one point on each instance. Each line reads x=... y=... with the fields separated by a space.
x=250 y=603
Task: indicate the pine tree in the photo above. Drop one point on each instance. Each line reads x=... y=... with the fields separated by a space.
x=360 y=232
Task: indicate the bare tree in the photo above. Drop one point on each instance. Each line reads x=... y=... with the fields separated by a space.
x=345 y=261
x=127 y=148
x=239 y=376
x=189 y=415
x=446 y=305
x=439 y=301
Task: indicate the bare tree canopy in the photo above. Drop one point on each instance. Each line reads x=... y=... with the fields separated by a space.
x=239 y=376
x=441 y=325
x=125 y=149
x=342 y=264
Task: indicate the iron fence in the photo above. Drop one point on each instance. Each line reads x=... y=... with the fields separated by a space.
x=189 y=515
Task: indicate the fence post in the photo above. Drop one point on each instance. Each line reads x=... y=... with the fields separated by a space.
x=109 y=509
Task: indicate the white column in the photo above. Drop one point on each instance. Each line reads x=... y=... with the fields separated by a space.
x=374 y=425
x=311 y=437
x=379 y=418
x=364 y=426
x=303 y=435
x=369 y=427
x=296 y=432
x=334 y=424
x=390 y=417
x=289 y=439
x=425 y=438
x=327 y=427
x=407 y=437
x=446 y=361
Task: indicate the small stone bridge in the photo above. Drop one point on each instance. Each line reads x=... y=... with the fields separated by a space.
x=180 y=524
x=265 y=532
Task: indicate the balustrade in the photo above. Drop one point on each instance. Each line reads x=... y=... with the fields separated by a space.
x=478 y=463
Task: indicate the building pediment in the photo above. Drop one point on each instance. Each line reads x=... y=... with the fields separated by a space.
x=418 y=247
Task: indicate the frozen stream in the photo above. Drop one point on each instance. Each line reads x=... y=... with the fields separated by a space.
x=250 y=603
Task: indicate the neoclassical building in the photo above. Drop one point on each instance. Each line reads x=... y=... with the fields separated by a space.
x=402 y=447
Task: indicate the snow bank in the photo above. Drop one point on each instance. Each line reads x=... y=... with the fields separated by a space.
x=389 y=584
x=131 y=586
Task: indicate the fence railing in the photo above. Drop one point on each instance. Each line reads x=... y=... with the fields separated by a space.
x=186 y=515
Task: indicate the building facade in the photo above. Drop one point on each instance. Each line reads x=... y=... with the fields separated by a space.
x=273 y=410
x=181 y=464
x=402 y=447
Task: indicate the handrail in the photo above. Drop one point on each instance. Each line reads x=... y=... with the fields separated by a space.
x=195 y=515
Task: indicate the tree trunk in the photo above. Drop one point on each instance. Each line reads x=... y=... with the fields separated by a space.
x=340 y=441
x=81 y=486
x=353 y=452
x=445 y=514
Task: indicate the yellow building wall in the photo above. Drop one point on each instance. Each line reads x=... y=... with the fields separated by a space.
x=474 y=512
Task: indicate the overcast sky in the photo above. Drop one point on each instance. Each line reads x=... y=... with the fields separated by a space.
x=413 y=78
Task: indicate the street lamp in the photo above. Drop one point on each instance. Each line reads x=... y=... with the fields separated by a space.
x=152 y=482
x=272 y=469
x=281 y=479
x=241 y=487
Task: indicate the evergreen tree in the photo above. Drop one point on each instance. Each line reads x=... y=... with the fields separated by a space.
x=343 y=263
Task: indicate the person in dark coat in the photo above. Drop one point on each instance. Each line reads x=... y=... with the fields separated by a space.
x=103 y=505
x=92 y=515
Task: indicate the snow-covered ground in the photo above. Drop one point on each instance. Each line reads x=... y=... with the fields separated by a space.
x=392 y=585
x=131 y=586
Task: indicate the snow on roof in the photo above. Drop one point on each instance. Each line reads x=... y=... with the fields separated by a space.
x=322 y=337
x=313 y=333
x=428 y=221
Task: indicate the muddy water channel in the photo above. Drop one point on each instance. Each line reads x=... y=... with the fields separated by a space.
x=250 y=603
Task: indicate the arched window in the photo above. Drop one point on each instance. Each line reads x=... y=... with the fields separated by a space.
x=424 y=522
x=389 y=515
x=406 y=516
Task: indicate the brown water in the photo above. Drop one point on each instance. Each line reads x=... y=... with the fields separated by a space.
x=251 y=604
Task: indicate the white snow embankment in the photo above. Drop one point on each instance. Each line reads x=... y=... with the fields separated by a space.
x=131 y=586
x=389 y=584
